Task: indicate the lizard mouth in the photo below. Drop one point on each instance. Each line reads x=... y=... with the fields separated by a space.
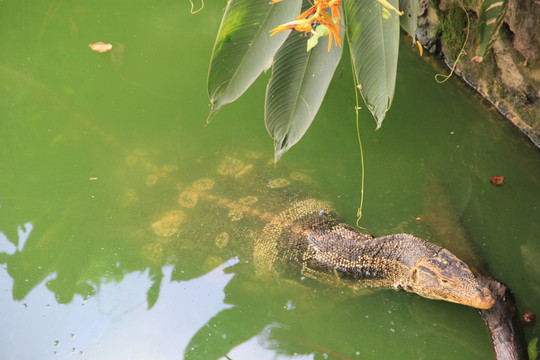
x=483 y=299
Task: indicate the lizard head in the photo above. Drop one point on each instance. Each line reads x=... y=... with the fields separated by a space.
x=445 y=277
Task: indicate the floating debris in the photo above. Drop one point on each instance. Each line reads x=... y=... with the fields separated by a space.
x=528 y=319
x=100 y=47
x=498 y=180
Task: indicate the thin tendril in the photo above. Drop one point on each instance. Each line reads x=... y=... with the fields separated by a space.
x=359 y=211
x=192 y=6
x=356 y=108
x=461 y=52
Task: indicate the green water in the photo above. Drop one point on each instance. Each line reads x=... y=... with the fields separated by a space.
x=87 y=141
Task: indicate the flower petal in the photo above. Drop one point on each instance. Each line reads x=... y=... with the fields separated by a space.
x=312 y=10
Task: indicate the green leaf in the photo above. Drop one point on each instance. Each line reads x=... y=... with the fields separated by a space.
x=244 y=47
x=322 y=30
x=489 y=21
x=409 y=20
x=296 y=89
x=152 y=294
x=532 y=349
x=373 y=36
x=313 y=40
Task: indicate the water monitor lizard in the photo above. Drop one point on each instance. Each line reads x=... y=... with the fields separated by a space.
x=296 y=236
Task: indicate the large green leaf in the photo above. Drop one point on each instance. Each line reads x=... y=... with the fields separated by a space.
x=296 y=89
x=489 y=21
x=409 y=20
x=373 y=35
x=244 y=47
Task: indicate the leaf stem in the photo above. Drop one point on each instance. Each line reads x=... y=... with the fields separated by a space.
x=356 y=108
x=192 y=6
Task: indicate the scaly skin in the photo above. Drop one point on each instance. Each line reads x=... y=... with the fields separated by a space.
x=308 y=235
x=293 y=236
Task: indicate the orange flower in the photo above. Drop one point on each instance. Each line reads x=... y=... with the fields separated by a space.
x=333 y=28
x=298 y=25
x=312 y=10
x=305 y=21
x=332 y=4
x=334 y=8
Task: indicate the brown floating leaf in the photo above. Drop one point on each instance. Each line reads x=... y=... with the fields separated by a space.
x=528 y=319
x=100 y=47
x=498 y=180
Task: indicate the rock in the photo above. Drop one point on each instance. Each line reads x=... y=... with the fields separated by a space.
x=509 y=75
x=428 y=25
x=523 y=19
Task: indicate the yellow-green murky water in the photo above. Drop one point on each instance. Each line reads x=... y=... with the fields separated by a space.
x=90 y=144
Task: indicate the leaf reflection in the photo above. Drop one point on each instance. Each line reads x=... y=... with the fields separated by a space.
x=193 y=219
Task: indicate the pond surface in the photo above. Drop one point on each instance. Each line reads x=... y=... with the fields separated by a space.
x=97 y=148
